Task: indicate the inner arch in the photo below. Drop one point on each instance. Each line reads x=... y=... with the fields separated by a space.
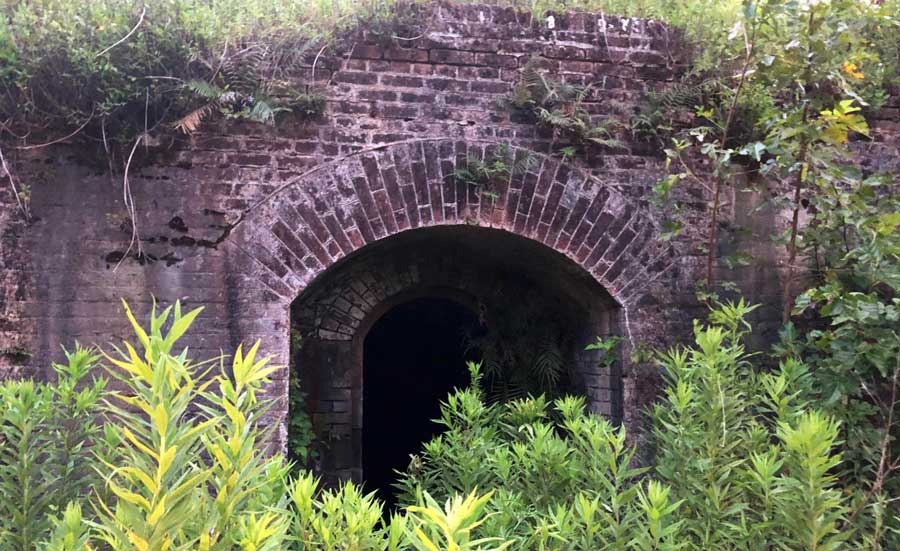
x=492 y=272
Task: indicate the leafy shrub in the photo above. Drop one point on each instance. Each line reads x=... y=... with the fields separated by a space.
x=749 y=459
x=557 y=484
x=334 y=520
x=70 y=532
x=742 y=460
x=184 y=480
x=606 y=347
x=182 y=463
x=452 y=526
x=47 y=437
x=853 y=346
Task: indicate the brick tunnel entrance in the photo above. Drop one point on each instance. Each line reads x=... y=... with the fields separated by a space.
x=384 y=334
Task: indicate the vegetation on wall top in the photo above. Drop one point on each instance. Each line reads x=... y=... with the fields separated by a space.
x=113 y=69
x=116 y=69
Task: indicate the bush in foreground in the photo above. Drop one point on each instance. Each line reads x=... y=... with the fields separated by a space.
x=743 y=461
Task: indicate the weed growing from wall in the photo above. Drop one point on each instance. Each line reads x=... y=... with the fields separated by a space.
x=561 y=108
x=498 y=167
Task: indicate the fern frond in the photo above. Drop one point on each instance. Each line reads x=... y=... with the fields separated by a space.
x=582 y=93
x=548 y=363
x=204 y=89
x=263 y=112
x=537 y=85
x=190 y=122
x=523 y=164
x=243 y=70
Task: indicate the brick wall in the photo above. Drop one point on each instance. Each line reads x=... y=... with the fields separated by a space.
x=244 y=218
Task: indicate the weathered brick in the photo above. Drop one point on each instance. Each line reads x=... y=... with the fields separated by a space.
x=338 y=233
x=356 y=77
x=496 y=61
x=417 y=98
x=433 y=171
x=373 y=174
x=314 y=246
x=447 y=85
x=399 y=111
x=366 y=51
x=451 y=57
x=361 y=185
x=293 y=244
x=249 y=159
x=402 y=81
x=389 y=177
x=387 y=212
x=406 y=54
x=576 y=215
x=377 y=95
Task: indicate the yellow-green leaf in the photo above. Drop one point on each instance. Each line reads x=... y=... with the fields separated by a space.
x=138 y=330
x=130 y=497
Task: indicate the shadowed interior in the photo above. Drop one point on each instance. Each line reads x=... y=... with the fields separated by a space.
x=413 y=357
x=374 y=323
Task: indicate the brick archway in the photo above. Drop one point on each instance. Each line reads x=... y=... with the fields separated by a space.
x=305 y=226
x=303 y=230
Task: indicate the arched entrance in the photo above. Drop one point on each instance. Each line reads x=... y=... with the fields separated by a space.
x=324 y=256
x=413 y=357
x=374 y=327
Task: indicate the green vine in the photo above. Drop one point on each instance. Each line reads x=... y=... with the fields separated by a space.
x=301 y=433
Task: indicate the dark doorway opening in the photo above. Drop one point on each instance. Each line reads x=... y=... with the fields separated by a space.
x=414 y=356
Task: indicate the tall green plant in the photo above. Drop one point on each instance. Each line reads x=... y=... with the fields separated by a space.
x=801 y=70
x=854 y=346
x=70 y=531
x=181 y=480
x=751 y=462
x=451 y=528
x=183 y=463
x=47 y=436
x=342 y=519
x=743 y=460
